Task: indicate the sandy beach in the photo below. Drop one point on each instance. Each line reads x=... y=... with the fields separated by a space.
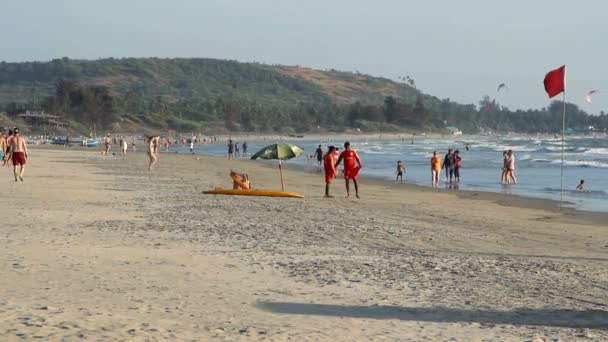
x=98 y=248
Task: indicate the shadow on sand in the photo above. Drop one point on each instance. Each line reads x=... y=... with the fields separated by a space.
x=591 y=319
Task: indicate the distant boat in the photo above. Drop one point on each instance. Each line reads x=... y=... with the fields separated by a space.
x=76 y=142
x=93 y=142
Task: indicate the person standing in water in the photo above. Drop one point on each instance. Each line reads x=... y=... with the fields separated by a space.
x=330 y=169
x=505 y=159
x=400 y=171
x=19 y=153
x=448 y=164
x=244 y=148
x=435 y=169
x=124 y=146
x=511 y=167
x=457 y=165
x=230 y=149
x=153 y=146
x=319 y=155
x=581 y=186
x=351 y=171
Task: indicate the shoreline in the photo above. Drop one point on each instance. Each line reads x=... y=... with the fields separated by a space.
x=569 y=215
x=566 y=214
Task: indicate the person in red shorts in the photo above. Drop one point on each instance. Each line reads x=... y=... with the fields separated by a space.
x=330 y=169
x=19 y=153
x=351 y=171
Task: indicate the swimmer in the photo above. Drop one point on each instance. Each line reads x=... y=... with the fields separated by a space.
x=581 y=186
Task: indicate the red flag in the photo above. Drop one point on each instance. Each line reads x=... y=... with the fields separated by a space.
x=555 y=81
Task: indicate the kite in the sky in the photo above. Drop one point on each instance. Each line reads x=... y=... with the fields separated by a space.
x=589 y=95
x=502 y=86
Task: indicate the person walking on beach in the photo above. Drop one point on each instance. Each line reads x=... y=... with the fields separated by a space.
x=457 y=165
x=230 y=149
x=330 y=169
x=400 y=171
x=511 y=167
x=435 y=169
x=192 y=145
x=449 y=164
x=236 y=150
x=124 y=146
x=106 y=142
x=153 y=146
x=351 y=171
x=319 y=155
x=244 y=148
x=7 y=153
x=505 y=159
x=19 y=154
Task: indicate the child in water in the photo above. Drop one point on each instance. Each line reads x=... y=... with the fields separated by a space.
x=581 y=186
x=400 y=171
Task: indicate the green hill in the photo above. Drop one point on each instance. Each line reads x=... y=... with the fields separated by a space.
x=203 y=79
x=209 y=95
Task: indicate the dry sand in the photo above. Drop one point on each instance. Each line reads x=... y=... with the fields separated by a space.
x=96 y=247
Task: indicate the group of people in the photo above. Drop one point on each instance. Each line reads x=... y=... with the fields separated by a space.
x=13 y=151
x=234 y=151
x=352 y=165
x=107 y=142
x=508 y=168
x=451 y=162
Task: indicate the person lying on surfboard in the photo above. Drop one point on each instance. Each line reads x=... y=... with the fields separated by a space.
x=240 y=181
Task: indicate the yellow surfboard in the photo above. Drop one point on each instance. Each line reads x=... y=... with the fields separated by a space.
x=252 y=192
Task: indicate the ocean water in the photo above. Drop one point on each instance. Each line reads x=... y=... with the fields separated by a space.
x=538 y=163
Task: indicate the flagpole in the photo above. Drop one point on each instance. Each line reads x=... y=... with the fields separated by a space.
x=561 y=193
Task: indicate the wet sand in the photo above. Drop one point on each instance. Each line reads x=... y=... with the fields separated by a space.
x=97 y=247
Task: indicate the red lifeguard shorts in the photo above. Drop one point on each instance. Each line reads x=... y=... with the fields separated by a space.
x=329 y=176
x=351 y=173
x=18 y=158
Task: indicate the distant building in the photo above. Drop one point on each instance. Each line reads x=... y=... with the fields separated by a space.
x=454 y=130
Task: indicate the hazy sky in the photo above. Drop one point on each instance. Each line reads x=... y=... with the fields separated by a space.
x=456 y=49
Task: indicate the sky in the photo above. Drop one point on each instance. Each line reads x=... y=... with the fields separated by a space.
x=460 y=50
